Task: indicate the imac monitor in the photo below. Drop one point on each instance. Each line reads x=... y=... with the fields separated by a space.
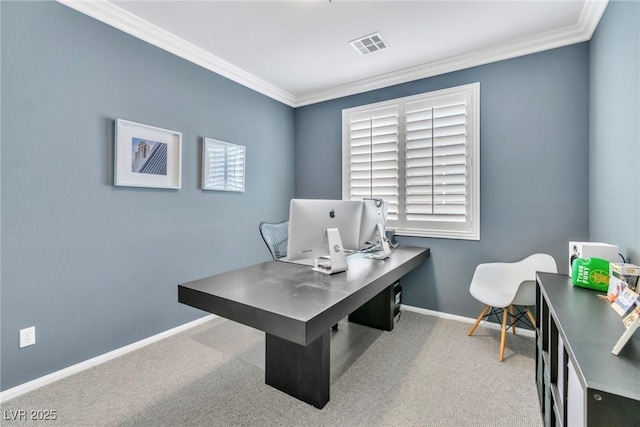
x=356 y=220
x=309 y=220
x=374 y=212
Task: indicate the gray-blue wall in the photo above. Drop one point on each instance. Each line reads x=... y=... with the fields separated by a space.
x=96 y=267
x=614 y=137
x=534 y=175
x=77 y=262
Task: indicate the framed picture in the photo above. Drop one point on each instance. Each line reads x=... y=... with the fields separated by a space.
x=223 y=165
x=147 y=156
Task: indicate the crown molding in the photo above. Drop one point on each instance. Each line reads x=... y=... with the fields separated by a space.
x=580 y=32
x=590 y=16
x=112 y=15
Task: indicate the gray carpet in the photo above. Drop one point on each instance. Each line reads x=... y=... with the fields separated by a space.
x=426 y=372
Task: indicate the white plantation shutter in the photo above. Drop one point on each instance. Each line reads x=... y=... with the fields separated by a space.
x=373 y=156
x=422 y=154
x=436 y=160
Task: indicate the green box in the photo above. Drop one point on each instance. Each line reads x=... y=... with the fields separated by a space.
x=591 y=273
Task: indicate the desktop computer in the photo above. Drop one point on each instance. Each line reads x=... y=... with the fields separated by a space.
x=382 y=311
x=328 y=229
x=397 y=298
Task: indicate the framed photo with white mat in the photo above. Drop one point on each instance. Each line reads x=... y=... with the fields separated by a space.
x=146 y=156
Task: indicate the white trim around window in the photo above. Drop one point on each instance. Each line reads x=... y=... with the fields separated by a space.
x=422 y=154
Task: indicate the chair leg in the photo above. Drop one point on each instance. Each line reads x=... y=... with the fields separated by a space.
x=475 y=325
x=503 y=336
x=533 y=321
x=511 y=313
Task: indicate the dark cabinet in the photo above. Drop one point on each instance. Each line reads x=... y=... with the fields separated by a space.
x=580 y=382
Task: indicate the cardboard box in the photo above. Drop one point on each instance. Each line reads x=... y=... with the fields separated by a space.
x=624 y=269
x=622 y=276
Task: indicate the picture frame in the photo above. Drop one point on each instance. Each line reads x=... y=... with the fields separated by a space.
x=147 y=156
x=223 y=166
x=631 y=323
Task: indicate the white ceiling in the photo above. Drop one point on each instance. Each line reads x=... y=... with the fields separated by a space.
x=298 y=52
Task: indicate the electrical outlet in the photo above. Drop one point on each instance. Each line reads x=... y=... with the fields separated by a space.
x=27 y=336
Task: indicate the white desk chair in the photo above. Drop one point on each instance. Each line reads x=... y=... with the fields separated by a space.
x=501 y=286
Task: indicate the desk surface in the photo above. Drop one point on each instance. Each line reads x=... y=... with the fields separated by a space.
x=293 y=302
x=590 y=329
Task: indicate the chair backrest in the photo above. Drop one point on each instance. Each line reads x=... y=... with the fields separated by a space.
x=276 y=237
x=526 y=294
x=504 y=278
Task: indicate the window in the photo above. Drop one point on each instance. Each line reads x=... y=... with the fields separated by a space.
x=422 y=154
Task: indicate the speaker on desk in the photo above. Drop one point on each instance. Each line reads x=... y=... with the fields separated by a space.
x=592 y=250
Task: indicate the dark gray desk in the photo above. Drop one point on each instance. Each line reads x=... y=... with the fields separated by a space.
x=297 y=307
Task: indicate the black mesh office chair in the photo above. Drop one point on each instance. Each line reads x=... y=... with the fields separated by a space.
x=276 y=237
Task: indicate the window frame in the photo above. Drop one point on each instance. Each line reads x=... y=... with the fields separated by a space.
x=467 y=230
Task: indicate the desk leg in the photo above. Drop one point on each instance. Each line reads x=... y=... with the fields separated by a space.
x=378 y=312
x=302 y=372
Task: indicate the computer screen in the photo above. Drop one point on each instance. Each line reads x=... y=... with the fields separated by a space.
x=309 y=220
x=374 y=212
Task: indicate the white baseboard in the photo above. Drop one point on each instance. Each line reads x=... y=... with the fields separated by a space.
x=63 y=373
x=521 y=331
x=74 y=369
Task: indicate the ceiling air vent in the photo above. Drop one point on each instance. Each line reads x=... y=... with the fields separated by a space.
x=368 y=44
